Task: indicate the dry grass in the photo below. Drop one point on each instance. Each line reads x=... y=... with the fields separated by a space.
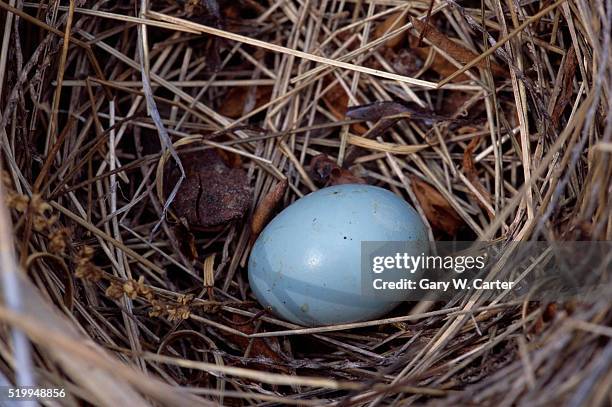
x=504 y=134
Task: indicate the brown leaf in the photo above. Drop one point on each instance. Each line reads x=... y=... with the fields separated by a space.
x=267 y=206
x=231 y=159
x=325 y=171
x=392 y=22
x=336 y=100
x=427 y=20
x=469 y=167
x=376 y=111
x=321 y=167
x=440 y=214
x=231 y=12
x=452 y=48
x=340 y=176
x=440 y=65
x=241 y=100
x=567 y=87
x=233 y=104
x=259 y=347
x=212 y=193
x=550 y=312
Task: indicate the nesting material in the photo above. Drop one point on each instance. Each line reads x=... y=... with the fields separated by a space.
x=490 y=118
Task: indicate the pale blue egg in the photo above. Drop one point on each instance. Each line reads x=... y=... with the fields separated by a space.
x=306 y=264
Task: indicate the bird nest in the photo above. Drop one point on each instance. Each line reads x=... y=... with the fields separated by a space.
x=145 y=144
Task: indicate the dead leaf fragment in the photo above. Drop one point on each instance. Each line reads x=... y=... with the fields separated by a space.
x=336 y=99
x=566 y=92
x=260 y=348
x=241 y=100
x=326 y=172
x=471 y=173
x=267 y=206
x=340 y=176
x=376 y=111
x=394 y=110
x=321 y=167
x=393 y=22
x=440 y=214
x=440 y=65
x=212 y=193
x=455 y=50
